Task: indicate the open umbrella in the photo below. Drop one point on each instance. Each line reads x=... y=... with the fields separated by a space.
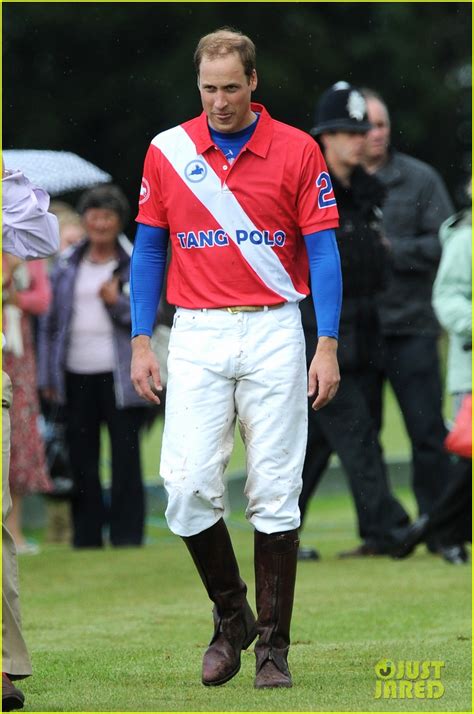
x=55 y=171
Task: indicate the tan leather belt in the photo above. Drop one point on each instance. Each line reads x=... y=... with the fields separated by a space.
x=251 y=308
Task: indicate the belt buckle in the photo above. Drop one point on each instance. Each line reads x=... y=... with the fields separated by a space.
x=234 y=310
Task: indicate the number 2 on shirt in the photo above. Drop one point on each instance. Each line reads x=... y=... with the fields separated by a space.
x=323 y=182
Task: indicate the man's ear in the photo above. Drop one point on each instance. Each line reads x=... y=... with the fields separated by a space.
x=253 y=80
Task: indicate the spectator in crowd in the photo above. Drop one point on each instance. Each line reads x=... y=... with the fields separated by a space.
x=71 y=228
x=28 y=232
x=59 y=528
x=26 y=292
x=450 y=520
x=84 y=352
x=345 y=426
x=415 y=205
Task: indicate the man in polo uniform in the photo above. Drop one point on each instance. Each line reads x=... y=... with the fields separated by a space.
x=245 y=201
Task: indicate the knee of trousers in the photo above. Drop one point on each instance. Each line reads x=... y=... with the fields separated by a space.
x=277 y=512
x=190 y=512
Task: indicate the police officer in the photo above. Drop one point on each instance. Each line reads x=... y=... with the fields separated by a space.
x=346 y=426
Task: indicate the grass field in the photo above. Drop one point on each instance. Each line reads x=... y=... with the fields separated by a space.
x=124 y=630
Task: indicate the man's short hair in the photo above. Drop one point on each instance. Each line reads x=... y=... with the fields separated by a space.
x=223 y=42
x=107 y=196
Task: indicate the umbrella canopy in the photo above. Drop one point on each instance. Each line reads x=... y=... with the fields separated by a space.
x=55 y=171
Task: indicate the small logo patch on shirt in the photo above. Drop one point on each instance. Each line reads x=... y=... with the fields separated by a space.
x=195 y=171
x=144 y=191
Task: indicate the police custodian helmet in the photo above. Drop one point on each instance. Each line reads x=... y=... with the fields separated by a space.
x=341 y=108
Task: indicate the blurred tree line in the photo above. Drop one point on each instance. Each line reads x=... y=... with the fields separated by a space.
x=101 y=79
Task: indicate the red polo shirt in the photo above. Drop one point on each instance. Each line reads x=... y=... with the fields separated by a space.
x=236 y=229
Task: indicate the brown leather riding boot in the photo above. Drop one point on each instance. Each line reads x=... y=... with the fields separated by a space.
x=275 y=573
x=12 y=697
x=234 y=621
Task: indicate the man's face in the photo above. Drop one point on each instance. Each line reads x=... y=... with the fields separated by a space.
x=378 y=138
x=226 y=92
x=345 y=148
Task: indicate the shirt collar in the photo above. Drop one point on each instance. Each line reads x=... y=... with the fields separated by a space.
x=259 y=142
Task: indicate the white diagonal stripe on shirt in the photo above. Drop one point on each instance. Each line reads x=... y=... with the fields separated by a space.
x=179 y=149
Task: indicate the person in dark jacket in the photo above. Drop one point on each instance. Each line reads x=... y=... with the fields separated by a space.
x=415 y=205
x=345 y=426
x=84 y=363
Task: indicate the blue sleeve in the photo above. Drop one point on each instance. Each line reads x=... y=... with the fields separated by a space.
x=147 y=271
x=326 y=280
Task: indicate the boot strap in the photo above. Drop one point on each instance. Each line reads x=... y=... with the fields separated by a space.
x=276 y=655
x=221 y=624
x=217 y=629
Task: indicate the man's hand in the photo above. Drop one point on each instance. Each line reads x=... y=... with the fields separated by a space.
x=323 y=375
x=145 y=370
